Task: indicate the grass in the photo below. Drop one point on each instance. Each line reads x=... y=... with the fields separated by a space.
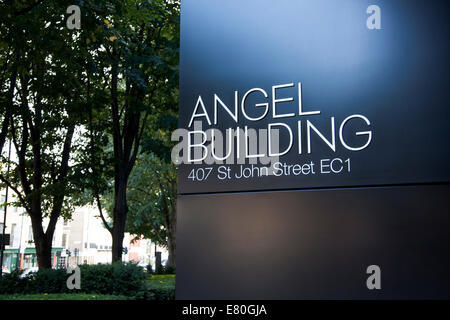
x=158 y=287
x=62 y=296
x=161 y=281
x=162 y=276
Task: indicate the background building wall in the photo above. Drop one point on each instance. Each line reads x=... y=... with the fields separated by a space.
x=85 y=236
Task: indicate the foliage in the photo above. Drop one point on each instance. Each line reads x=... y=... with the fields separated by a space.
x=49 y=102
x=12 y=283
x=47 y=281
x=80 y=105
x=44 y=101
x=169 y=269
x=151 y=197
x=62 y=296
x=161 y=288
x=134 y=50
x=159 y=269
x=163 y=271
x=116 y=279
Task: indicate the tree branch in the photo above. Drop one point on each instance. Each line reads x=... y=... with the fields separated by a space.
x=64 y=168
x=16 y=191
x=115 y=109
x=21 y=152
x=99 y=206
x=58 y=199
x=10 y=97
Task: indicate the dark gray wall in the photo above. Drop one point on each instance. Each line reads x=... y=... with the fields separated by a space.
x=315 y=244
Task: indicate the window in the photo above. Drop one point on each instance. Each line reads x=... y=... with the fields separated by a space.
x=7 y=261
x=30 y=234
x=13 y=231
x=29 y=261
x=62 y=262
x=64 y=240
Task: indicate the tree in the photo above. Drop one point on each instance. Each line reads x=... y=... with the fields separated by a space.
x=8 y=75
x=43 y=107
x=152 y=198
x=67 y=96
x=135 y=56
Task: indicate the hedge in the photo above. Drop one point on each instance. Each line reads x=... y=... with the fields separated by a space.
x=120 y=279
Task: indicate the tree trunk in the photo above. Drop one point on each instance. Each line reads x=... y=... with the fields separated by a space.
x=43 y=252
x=172 y=238
x=171 y=244
x=117 y=240
x=120 y=217
x=41 y=243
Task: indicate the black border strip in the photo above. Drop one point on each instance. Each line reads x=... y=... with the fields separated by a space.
x=317 y=188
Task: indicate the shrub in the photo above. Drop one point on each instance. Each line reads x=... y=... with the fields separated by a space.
x=160 y=287
x=61 y=296
x=160 y=294
x=169 y=269
x=117 y=278
x=47 y=281
x=96 y=278
x=113 y=279
x=12 y=283
x=159 y=269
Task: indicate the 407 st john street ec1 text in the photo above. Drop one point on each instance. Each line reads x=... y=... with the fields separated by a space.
x=278 y=169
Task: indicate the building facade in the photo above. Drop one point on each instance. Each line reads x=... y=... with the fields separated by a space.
x=81 y=240
x=21 y=252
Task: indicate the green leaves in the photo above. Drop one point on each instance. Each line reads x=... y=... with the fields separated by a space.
x=151 y=198
x=108 y=90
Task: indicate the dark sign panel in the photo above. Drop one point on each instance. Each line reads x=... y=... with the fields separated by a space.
x=324 y=93
x=315 y=244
